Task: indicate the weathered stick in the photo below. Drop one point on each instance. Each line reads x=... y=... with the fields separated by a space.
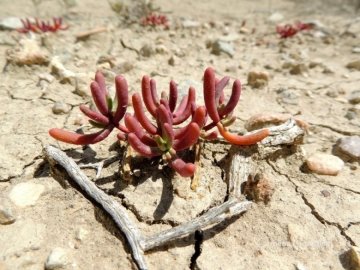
x=116 y=211
x=214 y=216
x=242 y=164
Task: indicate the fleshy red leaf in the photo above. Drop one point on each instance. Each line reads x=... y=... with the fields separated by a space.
x=188 y=139
x=243 y=140
x=134 y=126
x=79 y=139
x=147 y=95
x=141 y=148
x=122 y=98
x=184 y=169
x=99 y=98
x=233 y=100
x=209 y=94
x=140 y=114
x=173 y=94
x=187 y=111
x=97 y=117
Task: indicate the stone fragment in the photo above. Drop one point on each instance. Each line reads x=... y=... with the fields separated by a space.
x=354 y=65
x=350 y=146
x=173 y=60
x=356 y=50
x=275 y=17
x=219 y=46
x=326 y=164
x=258 y=188
x=10 y=23
x=60 y=108
x=298 y=69
x=81 y=234
x=64 y=75
x=190 y=24
x=263 y=120
x=258 y=79
x=354 y=97
x=57 y=259
x=25 y=194
x=147 y=50
x=354 y=257
x=6 y=213
x=27 y=52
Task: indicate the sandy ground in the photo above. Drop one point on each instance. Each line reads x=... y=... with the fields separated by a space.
x=311 y=220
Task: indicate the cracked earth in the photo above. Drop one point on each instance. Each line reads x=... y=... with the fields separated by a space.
x=311 y=220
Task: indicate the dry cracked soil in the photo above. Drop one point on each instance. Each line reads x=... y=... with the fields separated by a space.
x=312 y=218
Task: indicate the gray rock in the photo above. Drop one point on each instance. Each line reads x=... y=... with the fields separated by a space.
x=219 y=46
x=6 y=213
x=10 y=23
x=325 y=164
x=354 y=97
x=147 y=50
x=56 y=260
x=354 y=65
x=350 y=146
x=60 y=108
x=25 y=194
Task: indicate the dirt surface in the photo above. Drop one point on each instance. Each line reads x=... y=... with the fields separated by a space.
x=310 y=221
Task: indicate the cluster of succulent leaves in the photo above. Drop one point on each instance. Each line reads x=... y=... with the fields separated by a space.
x=40 y=26
x=170 y=126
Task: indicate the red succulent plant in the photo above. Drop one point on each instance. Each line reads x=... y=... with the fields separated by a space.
x=40 y=26
x=164 y=133
x=289 y=30
x=153 y=19
x=105 y=118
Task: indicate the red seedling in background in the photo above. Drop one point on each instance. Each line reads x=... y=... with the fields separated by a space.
x=105 y=118
x=155 y=20
x=289 y=30
x=41 y=26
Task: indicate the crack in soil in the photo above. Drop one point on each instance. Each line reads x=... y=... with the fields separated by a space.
x=314 y=212
x=340 y=131
x=22 y=170
x=333 y=185
x=199 y=239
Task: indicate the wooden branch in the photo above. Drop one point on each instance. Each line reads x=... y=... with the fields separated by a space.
x=243 y=165
x=116 y=210
x=214 y=216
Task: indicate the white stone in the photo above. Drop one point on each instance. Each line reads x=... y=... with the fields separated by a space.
x=81 y=234
x=275 y=17
x=56 y=260
x=10 y=23
x=327 y=164
x=25 y=194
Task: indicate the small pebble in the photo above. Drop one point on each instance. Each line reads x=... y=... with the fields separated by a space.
x=356 y=50
x=6 y=213
x=354 y=65
x=220 y=46
x=350 y=146
x=354 y=257
x=354 y=97
x=60 y=108
x=10 y=23
x=326 y=164
x=56 y=260
x=81 y=233
x=190 y=24
x=173 y=60
x=325 y=193
x=147 y=50
x=258 y=79
x=275 y=17
x=25 y=194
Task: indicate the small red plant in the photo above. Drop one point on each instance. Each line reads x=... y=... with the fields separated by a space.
x=155 y=20
x=41 y=26
x=162 y=135
x=289 y=30
x=105 y=118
